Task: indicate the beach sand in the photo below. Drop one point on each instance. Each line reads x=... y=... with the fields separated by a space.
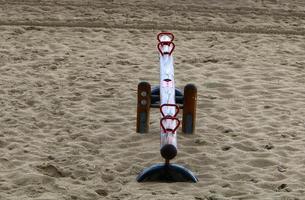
x=68 y=77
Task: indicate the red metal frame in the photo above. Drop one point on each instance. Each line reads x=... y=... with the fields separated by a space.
x=173 y=105
x=165 y=33
x=160 y=44
x=171 y=118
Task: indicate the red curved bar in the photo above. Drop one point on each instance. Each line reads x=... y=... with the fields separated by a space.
x=170 y=130
x=160 y=44
x=173 y=105
x=165 y=33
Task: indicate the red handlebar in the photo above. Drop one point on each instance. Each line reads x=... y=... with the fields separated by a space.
x=161 y=44
x=173 y=105
x=165 y=33
x=167 y=130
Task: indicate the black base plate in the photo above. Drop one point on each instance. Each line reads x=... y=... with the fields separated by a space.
x=166 y=173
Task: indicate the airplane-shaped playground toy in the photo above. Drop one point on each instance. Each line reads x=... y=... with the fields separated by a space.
x=169 y=100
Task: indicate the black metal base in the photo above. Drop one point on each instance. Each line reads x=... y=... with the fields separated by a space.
x=155 y=97
x=166 y=173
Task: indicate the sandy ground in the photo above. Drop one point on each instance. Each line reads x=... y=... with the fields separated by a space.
x=68 y=77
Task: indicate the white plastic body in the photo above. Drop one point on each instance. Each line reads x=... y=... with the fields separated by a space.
x=167 y=93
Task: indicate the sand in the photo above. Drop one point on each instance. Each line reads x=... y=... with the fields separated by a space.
x=68 y=77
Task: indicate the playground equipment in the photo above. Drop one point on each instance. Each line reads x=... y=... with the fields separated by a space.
x=169 y=100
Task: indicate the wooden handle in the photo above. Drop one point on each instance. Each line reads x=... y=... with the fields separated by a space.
x=143 y=107
x=189 y=109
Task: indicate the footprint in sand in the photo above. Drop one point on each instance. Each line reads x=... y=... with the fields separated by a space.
x=50 y=170
x=102 y=192
x=261 y=163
